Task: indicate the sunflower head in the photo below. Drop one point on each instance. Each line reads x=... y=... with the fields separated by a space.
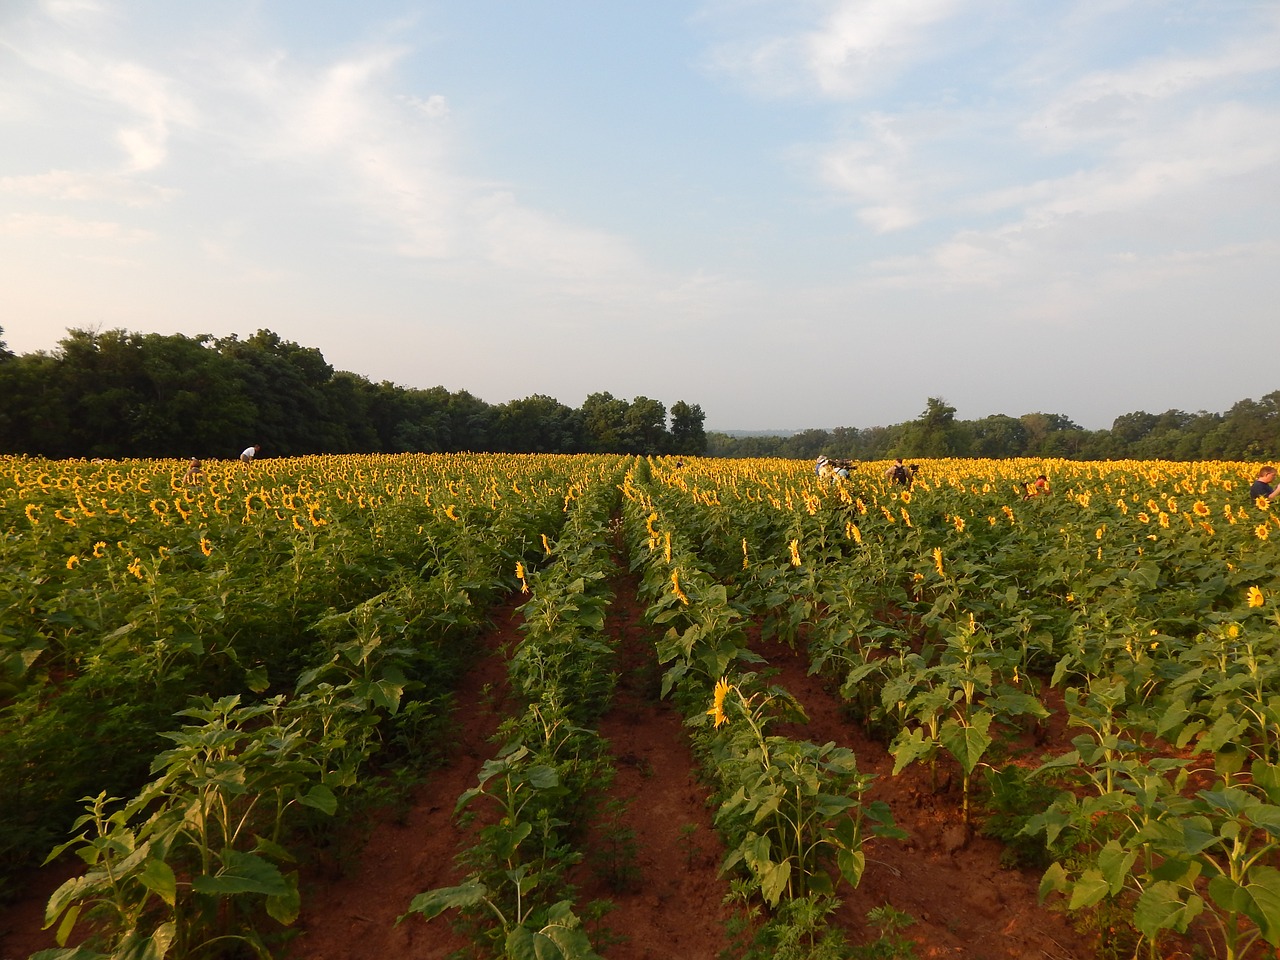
x=717 y=704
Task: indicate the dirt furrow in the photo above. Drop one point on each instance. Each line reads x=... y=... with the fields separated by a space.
x=659 y=852
x=965 y=903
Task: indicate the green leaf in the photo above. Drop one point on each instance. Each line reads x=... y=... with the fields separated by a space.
x=1267 y=776
x=67 y=925
x=435 y=902
x=1161 y=908
x=563 y=933
x=284 y=908
x=1114 y=862
x=157 y=876
x=852 y=863
x=967 y=743
x=1226 y=730
x=242 y=873
x=69 y=953
x=521 y=946
x=542 y=777
x=320 y=798
x=773 y=882
x=140 y=946
x=1091 y=888
x=908 y=747
x=1229 y=895
x=1264 y=889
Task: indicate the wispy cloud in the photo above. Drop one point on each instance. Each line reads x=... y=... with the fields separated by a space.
x=89 y=187
x=872 y=174
x=845 y=50
x=32 y=226
x=143 y=103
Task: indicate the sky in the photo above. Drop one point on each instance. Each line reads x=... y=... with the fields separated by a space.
x=794 y=213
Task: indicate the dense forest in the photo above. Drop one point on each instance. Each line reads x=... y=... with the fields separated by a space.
x=119 y=394
x=1250 y=430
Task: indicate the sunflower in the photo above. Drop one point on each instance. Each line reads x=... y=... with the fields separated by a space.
x=675 y=586
x=1256 y=599
x=717 y=704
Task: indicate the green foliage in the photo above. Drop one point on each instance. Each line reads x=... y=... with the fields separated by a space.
x=120 y=394
x=891 y=943
x=196 y=858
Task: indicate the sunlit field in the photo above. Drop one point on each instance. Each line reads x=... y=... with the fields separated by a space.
x=197 y=673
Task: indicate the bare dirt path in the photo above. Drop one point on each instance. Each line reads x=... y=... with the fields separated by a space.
x=672 y=908
x=964 y=902
x=351 y=915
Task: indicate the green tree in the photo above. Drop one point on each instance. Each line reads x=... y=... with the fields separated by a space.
x=687 y=434
x=998 y=436
x=805 y=445
x=933 y=433
x=537 y=424
x=645 y=427
x=604 y=422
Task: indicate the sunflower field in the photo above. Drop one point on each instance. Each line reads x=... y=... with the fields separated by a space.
x=198 y=674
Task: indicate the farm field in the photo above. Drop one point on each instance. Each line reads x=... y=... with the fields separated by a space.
x=595 y=705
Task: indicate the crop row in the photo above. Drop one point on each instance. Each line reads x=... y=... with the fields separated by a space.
x=307 y=620
x=299 y=618
x=948 y=611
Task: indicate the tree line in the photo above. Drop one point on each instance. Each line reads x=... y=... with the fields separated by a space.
x=117 y=394
x=1250 y=430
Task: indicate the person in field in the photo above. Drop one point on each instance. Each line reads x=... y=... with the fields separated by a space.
x=901 y=474
x=1264 y=485
x=249 y=453
x=194 y=469
x=1037 y=488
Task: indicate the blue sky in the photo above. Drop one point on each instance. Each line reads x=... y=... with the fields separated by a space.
x=795 y=213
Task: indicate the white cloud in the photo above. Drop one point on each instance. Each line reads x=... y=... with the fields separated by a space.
x=1106 y=104
x=344 y=123
x=855 y=46
x=144 y=103
x=89 y=187
x=32 y=226
x=525 y=241
x=862 y=39
x=873 y=173
x=75 y=13
x=1159 y=164
x=435 y=107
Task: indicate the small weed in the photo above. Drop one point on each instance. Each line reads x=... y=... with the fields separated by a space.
x=1012 y=798
x=614 y=858
x=692 y=850
x=797 y=930
x=890 y=944
x=602 y=936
